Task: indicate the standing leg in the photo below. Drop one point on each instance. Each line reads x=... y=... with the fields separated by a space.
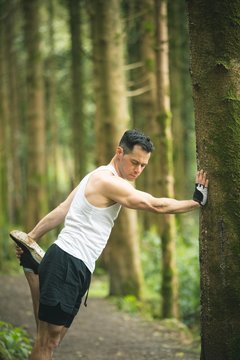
x=48 y=338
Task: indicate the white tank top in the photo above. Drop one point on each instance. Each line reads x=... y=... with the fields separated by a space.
x=87 y=227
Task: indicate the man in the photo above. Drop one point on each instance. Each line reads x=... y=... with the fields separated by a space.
x=89 y=213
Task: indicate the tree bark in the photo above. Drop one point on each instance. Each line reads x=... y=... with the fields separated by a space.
x=3 y=143
x=52 y=127
x=164 y=182
x=14 y=173
x=215 y=66
x=146 y=103
x=181 y=97
x=36 y=204
x=78 y=130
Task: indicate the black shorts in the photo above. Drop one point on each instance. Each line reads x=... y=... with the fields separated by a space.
x=63 y=281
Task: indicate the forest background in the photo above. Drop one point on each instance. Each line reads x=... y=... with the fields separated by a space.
x=74 y=75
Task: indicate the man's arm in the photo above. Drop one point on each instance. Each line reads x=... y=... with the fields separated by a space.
x=122 y=192
x=52 y=219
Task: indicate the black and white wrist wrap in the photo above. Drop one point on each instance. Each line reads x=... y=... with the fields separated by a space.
x=200 y=194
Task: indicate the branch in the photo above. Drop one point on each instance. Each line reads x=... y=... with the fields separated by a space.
x=138 y=92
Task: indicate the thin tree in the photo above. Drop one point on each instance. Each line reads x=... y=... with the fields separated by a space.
x=145 y=102
x=36 y=171
x=11 y=21
x=215 y=66
x=52 y=127
x=164 y=181
x=181 y=97
x=3 y=143
x=77 y=124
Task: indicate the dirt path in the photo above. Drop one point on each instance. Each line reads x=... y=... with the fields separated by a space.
x=100 y=331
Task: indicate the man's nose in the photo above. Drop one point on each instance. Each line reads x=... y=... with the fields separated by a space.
x=137 y=169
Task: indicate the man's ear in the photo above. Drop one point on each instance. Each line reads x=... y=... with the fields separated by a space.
x=119 y=151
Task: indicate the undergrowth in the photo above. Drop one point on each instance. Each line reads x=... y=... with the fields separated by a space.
x=14 y=342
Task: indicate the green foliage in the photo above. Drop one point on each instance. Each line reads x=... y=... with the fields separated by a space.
x=8 y=263
x=14 y=343
x=99 y=284
x=151 y=259
x=128 y=303
x=187 y=267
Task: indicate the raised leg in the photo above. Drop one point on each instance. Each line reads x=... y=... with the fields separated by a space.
x=33 y=282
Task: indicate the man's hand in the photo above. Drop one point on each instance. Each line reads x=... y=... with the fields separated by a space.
x=201 y=188
x=19 y=252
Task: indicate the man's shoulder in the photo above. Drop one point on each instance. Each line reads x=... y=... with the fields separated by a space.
x=104 y=177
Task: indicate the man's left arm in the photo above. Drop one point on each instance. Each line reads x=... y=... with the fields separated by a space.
x=122 y=192
x=52 y=219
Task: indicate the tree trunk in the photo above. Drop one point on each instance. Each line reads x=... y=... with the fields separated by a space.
x=164 y=173
x=181 y=97
x=14 y=174
x=112 y=119
x=3 y=142
x=146 y=102
x=124 y=264
x=78 y=132
x=215 y=48
x=36 y=174
x=51 y=117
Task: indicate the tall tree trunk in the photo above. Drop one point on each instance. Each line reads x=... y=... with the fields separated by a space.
x=78 y=133
x=181 y=95
x=164 y=173
x=36 y=174
x=3 y=142
x=146 y=102
x=51 y=117
x=112 y=119
x=14 y=178
x=215 y=54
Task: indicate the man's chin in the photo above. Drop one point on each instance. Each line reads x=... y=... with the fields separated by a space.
x=131 y=178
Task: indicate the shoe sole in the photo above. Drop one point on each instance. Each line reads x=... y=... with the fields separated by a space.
x=25 y=242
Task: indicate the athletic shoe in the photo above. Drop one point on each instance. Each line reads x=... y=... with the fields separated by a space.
x=28 y=245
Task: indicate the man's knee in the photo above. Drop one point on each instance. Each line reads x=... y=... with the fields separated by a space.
x=49 y=336
x=54 y=341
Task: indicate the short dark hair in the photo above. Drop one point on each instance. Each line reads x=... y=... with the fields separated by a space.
x=135 y=137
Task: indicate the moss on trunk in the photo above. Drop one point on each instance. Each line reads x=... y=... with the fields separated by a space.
x=215 y=51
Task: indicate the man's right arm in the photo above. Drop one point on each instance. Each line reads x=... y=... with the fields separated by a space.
x=52 y=219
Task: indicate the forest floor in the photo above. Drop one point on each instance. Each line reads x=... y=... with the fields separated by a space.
x=100 y=331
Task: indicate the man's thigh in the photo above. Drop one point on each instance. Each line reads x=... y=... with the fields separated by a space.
x=63 y=280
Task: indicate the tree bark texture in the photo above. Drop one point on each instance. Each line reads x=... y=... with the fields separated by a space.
x=3 y=143
x=147 y=101
x=36 y=174
x=14 y=174
x=52 y=126
x=164 y=183
x=215 y=65
x=78 y=133
x=181 y=97
x=112 y=117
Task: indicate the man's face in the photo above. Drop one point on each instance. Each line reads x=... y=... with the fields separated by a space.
x=131 y=165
